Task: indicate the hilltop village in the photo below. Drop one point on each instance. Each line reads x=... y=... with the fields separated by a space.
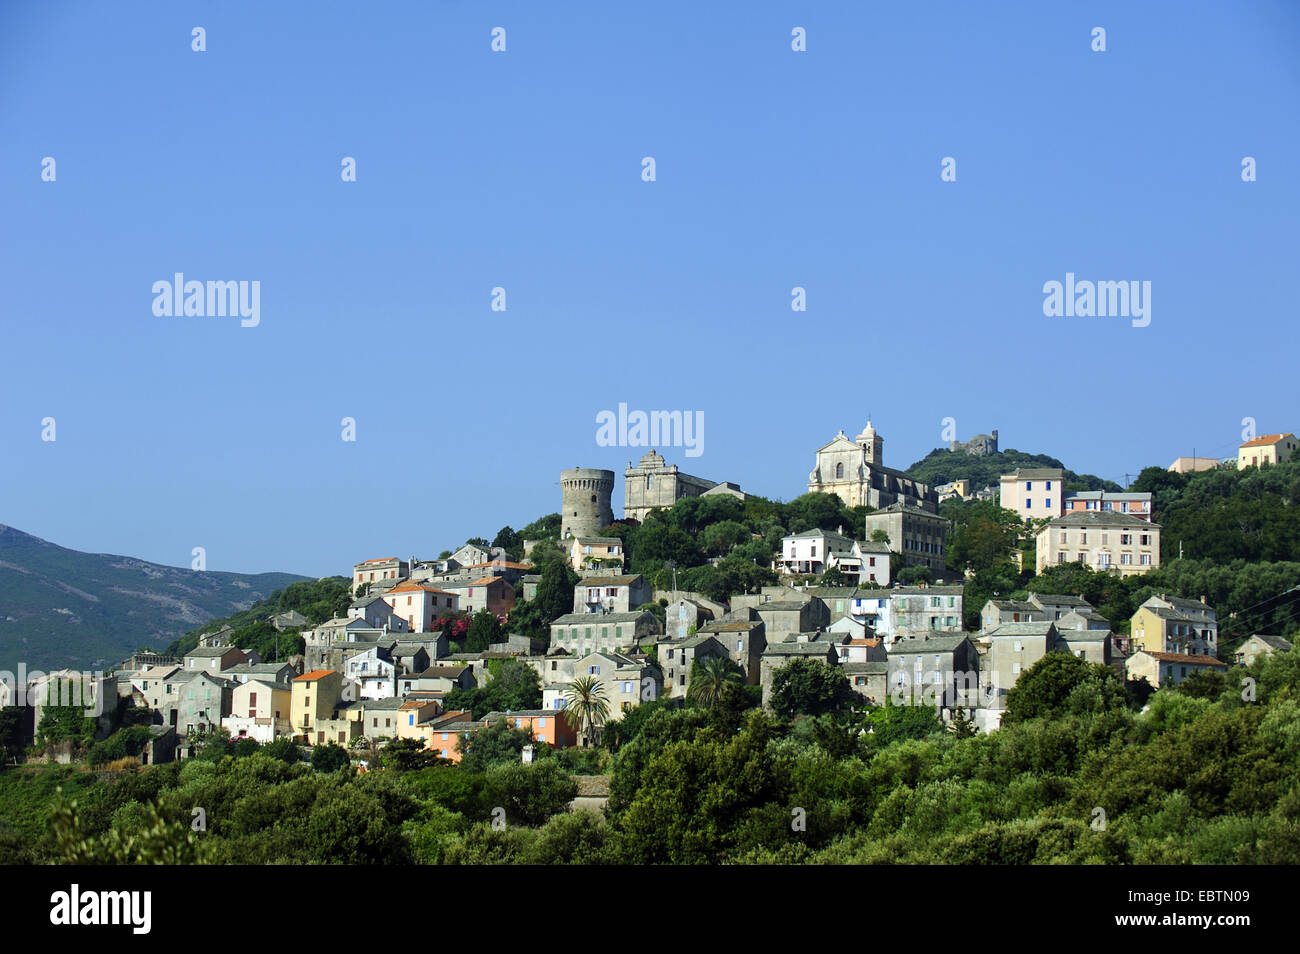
x=869 y=607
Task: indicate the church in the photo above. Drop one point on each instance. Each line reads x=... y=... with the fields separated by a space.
x=854 y=471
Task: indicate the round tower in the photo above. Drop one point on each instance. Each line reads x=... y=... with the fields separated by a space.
x=586 y=497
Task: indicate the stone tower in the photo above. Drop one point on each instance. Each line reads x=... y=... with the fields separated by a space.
x=586 y=496
x=873 y=444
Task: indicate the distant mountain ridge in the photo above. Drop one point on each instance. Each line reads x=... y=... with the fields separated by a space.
x=64 y=608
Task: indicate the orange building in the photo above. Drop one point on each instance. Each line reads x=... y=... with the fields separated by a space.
x=546 y=725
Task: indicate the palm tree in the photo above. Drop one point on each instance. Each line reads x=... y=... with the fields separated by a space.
x=585 y=706
x=709 y=678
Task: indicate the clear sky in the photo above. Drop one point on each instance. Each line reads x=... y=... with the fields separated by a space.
x=523 y=169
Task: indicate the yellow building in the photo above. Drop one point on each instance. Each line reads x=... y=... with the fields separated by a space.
x=1167 y=624
x=1269 y=449
x=315 y=698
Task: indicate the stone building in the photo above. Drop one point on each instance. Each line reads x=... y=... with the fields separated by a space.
x=585 y=497
x=653 y=483
x=919 y=534
x=854 y=471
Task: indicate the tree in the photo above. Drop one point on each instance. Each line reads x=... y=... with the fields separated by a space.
x=484 y=630
x=1047 y=687
x=329 y=758
x=586 y=707
x=531 y=794
x=810 y=687
x=834 y=577
x=554 y=599
x=509 y=541
x=513 y=686
x=497 y=744
x=709 y=678
x=963 y=723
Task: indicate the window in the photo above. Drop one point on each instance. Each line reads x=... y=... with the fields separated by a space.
x=1029 y=485
x=541 y=723
x=1048 y=504
x=410 y=719
x=1083 y=538
x=1017 y=646
x=1028 y=503
x=839 y=471
x=1146 y=559
x=1015 y=669
x=1049 y=487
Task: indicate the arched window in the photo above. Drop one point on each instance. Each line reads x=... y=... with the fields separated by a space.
x=839 y=471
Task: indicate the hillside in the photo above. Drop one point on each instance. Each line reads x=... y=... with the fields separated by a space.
x=942 y=466
x=64 y=608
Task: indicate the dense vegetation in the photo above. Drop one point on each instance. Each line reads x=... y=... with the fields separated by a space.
x=317 y=600
x=942 y=466
x=1076 y=775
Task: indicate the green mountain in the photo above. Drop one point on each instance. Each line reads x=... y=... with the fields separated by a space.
x=942 y=466
x=63 y=608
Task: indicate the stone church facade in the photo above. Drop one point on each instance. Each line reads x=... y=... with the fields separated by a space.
x=854 y=471
x=653 y=482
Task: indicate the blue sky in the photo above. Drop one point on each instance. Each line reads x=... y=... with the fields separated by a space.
x=522 y=170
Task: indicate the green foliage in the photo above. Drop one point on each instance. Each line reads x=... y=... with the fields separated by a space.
x=514 y=687
x=11 y=732
x=942 y=466
x=65 y=724
x=496 y=744
x=330 y=758
x=554 y=598
x=1226 y=515
x=318 y=600
x=484 y=630
x=531 y=794
x=709 y=678
x=1061 y=683
x=121 y=744
x=810 y=687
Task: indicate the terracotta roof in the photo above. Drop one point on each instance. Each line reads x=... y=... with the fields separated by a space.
x=1266 y=440
x=378 y=560
x=314 y=675
x=409 y=587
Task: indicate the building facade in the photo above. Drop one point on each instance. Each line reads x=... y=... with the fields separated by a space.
x=854 y=471
x=655 y=484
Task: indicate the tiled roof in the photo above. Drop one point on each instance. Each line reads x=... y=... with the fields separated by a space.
x=609 y=580
x=931 y=644
x=1097 y=518
x=314 y=675
x=1266 y=440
